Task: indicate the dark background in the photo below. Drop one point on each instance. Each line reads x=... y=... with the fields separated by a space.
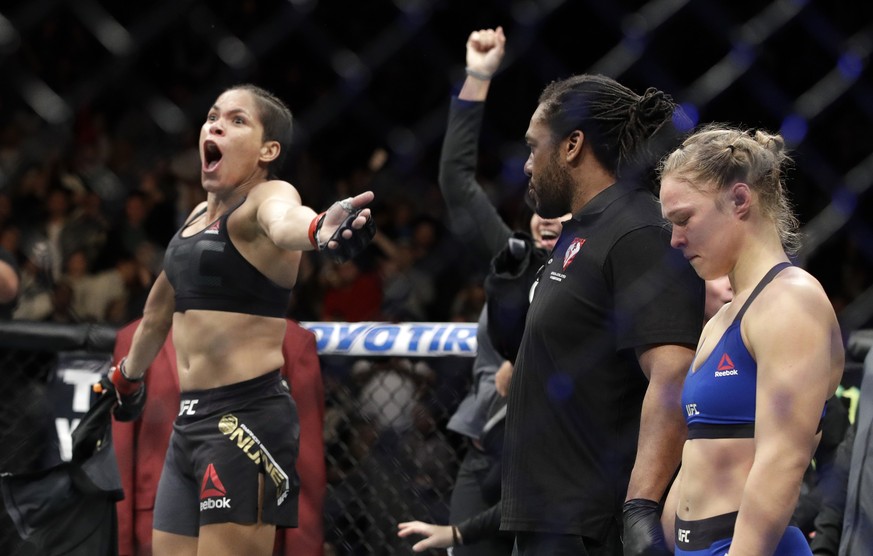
x=136 y=78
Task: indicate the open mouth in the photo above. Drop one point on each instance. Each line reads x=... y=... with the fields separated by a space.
x=211 y=156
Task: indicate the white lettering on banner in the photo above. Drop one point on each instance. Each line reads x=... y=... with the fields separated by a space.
x=83 y=382
x=65 y=428
x=417 y=339
x=72 y=389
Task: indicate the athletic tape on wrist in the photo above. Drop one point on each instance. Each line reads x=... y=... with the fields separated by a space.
x=124 y=373
x=123 y=385
x=314 y=226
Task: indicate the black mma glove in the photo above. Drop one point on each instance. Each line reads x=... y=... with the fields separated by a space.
x=643 y=534
x=347 y=248
x=130 y=393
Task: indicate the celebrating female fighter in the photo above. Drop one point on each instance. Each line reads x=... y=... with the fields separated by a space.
x=228 y=479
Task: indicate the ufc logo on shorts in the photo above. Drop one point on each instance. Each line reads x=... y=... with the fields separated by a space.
x=683 y=534
x=187 y=407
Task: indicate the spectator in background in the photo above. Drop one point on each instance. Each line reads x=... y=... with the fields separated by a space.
x=86 y=229
x=90 y=155
x=157 y=187
x=477 y=223
x=440 y=261
x=5 y=210
x=718 y=293
x=62 y=304
x=352 y=293
x=57 y=213
x=387 y=433
x=136 y=279
x=389 y=390
x=397 y=220
x=10 y=239
x=29 y=193
x=130 y=232
x=94 y=294
x=429 y=459
x=9 y=284
x=469 y=301
x=844 y=524
x=306 y=301
x=407 y=291
x=35 y=301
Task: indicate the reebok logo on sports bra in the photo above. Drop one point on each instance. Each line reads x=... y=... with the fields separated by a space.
x=719 y=399
x=726 y=367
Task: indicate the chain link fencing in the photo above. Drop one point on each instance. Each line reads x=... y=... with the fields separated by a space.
x=389 y=457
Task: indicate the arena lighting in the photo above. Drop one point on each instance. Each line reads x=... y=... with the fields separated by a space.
x=9 y=37
x=748 y=38
x=693 y=117
x=821 y=95
x=851 y=65
x=844 y=197
x=305 y=6
x=105 y=28
x=348 y=65
x=793 y=129
x=167 y=115
x=402 y=141
x=637 y=27
x=44 y=101
x=234 y=52
x=835 y=83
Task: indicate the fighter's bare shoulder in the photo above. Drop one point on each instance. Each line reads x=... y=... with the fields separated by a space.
x=793 y=300
x=274 y=189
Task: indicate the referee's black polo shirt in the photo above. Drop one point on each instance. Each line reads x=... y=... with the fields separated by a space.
x=613 y=283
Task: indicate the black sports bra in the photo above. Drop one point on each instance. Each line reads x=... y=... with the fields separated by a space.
x=207 y=272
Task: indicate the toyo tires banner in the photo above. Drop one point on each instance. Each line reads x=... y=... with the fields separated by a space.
x=407 y=339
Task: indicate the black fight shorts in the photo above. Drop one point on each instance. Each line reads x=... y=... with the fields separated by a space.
x=223 y=441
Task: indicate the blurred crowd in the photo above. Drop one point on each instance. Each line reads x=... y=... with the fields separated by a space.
x=89 y=227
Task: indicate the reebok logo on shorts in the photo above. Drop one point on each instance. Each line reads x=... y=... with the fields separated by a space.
x=213 y=495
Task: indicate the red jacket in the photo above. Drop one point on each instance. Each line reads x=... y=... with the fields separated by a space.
x=140 y=446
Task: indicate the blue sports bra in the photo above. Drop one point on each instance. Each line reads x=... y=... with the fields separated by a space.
x=207 y=272
x=719 y=397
